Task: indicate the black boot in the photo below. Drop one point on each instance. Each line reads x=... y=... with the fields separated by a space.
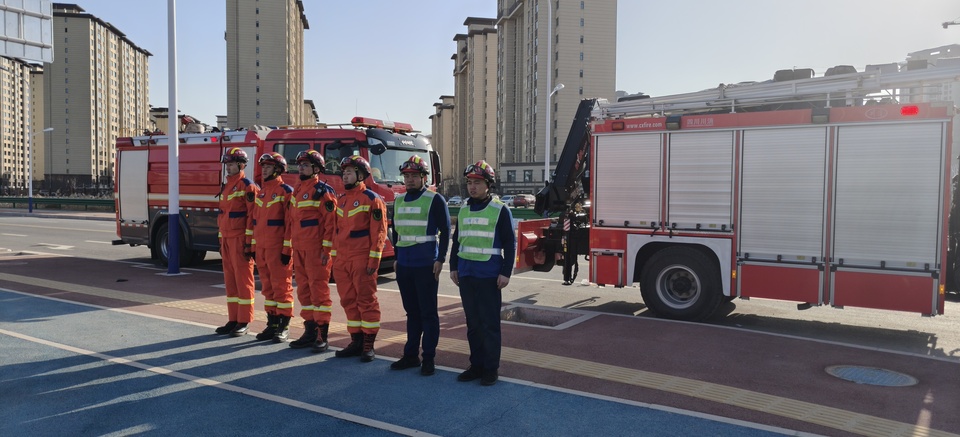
x=406 y=362
x=283 y=329
x=240 y=330
x=354 y=348
x=368 y=352
x=270 y=329
x=321 y=344
x=309 y=335
x=225 y=329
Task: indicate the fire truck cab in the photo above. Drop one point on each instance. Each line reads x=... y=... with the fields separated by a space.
x=141 y=191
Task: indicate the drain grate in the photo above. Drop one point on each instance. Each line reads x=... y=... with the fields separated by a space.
x=542 y=317
x=872 y=376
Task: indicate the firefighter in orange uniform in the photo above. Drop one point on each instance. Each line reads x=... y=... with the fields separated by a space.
x=271 y=243
x=236 y=237
x=312 y=206
x=360 y=236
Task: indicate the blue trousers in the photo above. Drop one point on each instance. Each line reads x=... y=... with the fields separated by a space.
x=481 y=304
x=418 y=291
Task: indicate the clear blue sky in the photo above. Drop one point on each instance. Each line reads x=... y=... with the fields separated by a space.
x=390 y=59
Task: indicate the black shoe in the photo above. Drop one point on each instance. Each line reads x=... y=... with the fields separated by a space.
x=282 y=331
x=270 y=329
x=309 y=336
x=240 y=330
x=489 y=377
x=225 y=329
x=470 y=374
x=405 y=362
x=427 y=368
x=354 y=349
x=321 y=345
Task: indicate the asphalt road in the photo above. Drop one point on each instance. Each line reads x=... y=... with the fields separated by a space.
x=905 y=332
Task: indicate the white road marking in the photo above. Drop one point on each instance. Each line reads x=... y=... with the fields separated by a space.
x=14 y=235
x=98 y=242
x=225 y=386
x=55 y=246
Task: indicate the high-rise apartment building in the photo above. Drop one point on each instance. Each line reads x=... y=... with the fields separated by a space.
x=475 y=82
x=442 y=123
x=95 y=91
x=265 y=63
x=582 y=40
x=18 y=95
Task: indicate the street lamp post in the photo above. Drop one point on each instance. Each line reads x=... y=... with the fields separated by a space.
x=546 y=149
x=30 y=168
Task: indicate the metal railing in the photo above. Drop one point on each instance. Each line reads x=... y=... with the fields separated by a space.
x=100 y=204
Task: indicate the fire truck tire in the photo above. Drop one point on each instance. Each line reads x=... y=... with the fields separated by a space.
x=187 y=256
x=681 y=283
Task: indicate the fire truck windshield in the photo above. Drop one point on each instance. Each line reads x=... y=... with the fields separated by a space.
x=386 y=166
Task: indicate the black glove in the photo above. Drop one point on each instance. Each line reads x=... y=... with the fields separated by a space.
x=285 y=259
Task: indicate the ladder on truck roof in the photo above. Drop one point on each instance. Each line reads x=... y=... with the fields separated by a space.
x=911 y=84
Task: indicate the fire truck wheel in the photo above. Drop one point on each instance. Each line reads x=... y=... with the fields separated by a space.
x=187 y=257
x=681 y=283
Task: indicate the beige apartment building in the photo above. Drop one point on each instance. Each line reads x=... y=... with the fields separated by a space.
x=265 y=63
x=582 y=36
x=475 y=95
x=441 y=124
x=20 y=90
x=95 y=91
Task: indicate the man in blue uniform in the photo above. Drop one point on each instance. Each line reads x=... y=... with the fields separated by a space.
x=421 y=226
x=480 y=264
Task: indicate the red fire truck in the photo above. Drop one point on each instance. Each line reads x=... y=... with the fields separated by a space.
x=824 y=191
x=141 y=173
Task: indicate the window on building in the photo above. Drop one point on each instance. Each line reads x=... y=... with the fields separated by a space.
x=258 y=62
x=581 y=5
x=64 y=30
x=258 y=86
x=581 y=91
x=581 y=22
x=258 y=50
x=528 y=175
x=511 y=175
x=581 y=39
x=581 y=72
x=258 y=23
x=581 y=56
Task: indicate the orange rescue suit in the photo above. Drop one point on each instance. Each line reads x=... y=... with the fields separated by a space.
x=271 y=238
x=312 y=209
x=361 y=233
x=236 y=236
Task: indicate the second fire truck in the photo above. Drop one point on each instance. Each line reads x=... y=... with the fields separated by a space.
x=822 y=191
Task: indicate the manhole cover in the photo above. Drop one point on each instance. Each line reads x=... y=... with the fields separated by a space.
x=547 y=318
x=872 y=376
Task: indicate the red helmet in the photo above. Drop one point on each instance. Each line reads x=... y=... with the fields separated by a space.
x=311 y=156
x=276 y=160
x=234 y=154
x=358 y=162
x=480 y=170
x=415 y=164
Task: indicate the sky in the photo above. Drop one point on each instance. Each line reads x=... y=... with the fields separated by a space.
x=390 y=59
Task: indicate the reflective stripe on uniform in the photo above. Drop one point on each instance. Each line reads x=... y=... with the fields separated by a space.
x=233 y=299
x=284 y=305
x=419 y=238
x=269 y=303
x=323 y=309
x=374 y=254
x=369 y=325
x=358 y=210
x=483 y=234
x=327 y=243
x=480 y=250
x=353 y=323
x=245 y=301
x=409 y=222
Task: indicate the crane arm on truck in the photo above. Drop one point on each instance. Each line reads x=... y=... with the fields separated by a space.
x=571 y=179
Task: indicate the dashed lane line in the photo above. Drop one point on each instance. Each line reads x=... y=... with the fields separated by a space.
x=835 y=418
